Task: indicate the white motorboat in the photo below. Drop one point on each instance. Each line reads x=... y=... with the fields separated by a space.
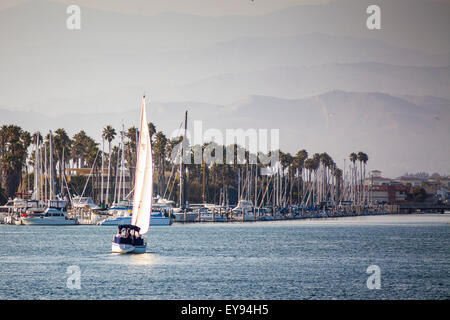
x=244 y=211
x=5 y=210
x=50 y=217
x=156 y=219
x=79 y=202
x=13 y=209
x=209 y=216
x=188 y=216
x=244 y=206
x=121 y=213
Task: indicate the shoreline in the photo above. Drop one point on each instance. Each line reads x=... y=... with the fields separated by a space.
x=441 y=218
x=381 y=219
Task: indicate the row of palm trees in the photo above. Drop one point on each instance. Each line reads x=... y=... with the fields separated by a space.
x=14 y=143
x=298 y=178
x=358 y=192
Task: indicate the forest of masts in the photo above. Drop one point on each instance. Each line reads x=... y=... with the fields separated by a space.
x=300 y=179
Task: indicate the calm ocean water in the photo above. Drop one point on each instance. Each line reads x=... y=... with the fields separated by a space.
x=310 y=259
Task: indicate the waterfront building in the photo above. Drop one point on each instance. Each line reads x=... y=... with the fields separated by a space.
x=384 y=190
x=376 y=179
x=412 y=181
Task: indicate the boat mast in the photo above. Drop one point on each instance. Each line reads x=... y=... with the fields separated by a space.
x=41 y=173
x=239 y=184
x=203 y=181
x=45 y=173
x=51 y=168
x=102 y=175
x=63 y=172
x=122 y=164
x=249 y=180
x=36 y=169
x=117 y=175
x=256 y=185
x=182 y=171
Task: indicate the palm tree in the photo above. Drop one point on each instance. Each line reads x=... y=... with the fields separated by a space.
x=61 y=143
x=362 y=158
x=286 y=160
x=26 y=140
x=326 y=162
x=159 y=151
x=151 y=129
x=298 y=163
x=131 y=149
x=309 y=165
x=315 y=167
x=14 y=143
x=337 y=173
x=108 y=134
x=353 y=157
x=79 y=148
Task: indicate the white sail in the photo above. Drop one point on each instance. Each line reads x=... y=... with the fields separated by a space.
x=143 y=187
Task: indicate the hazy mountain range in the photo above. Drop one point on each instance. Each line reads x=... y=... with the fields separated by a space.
x=298 y=82
x=313 y=71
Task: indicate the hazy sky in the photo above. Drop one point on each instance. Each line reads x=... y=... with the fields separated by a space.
x=52 y=77
x=200 y=7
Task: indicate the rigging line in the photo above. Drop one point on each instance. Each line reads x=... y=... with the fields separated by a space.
x=68 y=190
x=267 y=188
x=129 y=194
x=92 y=169
x=168 y=183
x=173 y=167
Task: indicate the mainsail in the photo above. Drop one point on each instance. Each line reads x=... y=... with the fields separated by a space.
x=143 y=186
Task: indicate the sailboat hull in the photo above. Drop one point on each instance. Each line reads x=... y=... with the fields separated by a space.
x=128 y=248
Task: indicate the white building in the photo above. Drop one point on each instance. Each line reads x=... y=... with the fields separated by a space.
x=414 y=182
x=376 y=179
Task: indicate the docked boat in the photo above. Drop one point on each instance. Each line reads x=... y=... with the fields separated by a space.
x=6 y=210
x=50 y=217
x=79 y=202
x=212 y=216
x=244 y=211
x=17 y=207
x=91 y=216
x=129 y=237
x=123 y=207
x=266 y=218
x=161 y=204
x=185 y=216
x=121 y=214
x=87 y=212
x=156 y=219
x=244 y=206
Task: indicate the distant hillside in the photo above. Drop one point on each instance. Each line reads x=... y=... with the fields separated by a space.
x=256 y=53
x=299 y=82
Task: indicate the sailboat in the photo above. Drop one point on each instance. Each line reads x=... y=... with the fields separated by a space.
x=129 y=236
